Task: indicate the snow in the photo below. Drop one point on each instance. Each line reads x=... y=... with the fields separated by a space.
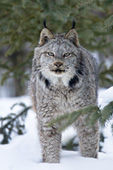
x=24 y=152
x=105 y=96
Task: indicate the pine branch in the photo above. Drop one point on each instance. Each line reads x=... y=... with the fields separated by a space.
x=15 y=123
x=107 y=113
x=69 y=118
x=92 y=115
x=12 y=120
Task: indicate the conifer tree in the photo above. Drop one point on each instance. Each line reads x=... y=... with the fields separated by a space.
x=21 y=23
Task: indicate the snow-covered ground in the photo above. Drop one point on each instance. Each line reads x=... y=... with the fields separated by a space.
x=24 y=152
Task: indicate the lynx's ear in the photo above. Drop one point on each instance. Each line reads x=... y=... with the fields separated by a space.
x=72 y=36
x=45 y=35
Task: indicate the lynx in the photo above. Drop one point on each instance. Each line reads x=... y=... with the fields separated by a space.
x=64 y=79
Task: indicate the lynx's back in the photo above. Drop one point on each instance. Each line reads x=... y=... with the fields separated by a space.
x=64 y=78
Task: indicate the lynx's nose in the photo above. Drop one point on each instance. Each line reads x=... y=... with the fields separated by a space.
x=58 y=64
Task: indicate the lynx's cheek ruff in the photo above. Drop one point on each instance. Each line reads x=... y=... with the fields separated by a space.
x=73 y=81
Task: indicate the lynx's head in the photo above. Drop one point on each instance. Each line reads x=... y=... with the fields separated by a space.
x=58 y=57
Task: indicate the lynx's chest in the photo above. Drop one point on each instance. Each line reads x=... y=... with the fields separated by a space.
x=61 y=98
x=68 y=100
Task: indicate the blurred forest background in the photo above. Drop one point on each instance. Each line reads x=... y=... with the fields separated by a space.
x=21 y=22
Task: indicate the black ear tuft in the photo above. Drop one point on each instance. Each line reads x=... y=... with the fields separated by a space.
x=73 y=24
x=44 y=23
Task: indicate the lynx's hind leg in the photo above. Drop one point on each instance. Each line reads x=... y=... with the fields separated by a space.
x=88 y=139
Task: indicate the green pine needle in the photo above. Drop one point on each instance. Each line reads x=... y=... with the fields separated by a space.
x=93 y=114
x=69 y=118
x=107 y=113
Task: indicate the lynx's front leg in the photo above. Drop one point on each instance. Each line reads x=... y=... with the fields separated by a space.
x=88 y=139
x=50 y=140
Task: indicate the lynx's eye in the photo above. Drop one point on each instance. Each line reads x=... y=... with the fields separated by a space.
x=50 y=54
x=67 y=55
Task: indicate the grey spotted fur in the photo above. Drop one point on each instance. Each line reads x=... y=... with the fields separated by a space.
x=54 y=93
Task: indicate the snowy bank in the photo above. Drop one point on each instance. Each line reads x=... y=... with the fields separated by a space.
x=24 y=152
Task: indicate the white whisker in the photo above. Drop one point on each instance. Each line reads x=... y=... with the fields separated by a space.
x=43 y=69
